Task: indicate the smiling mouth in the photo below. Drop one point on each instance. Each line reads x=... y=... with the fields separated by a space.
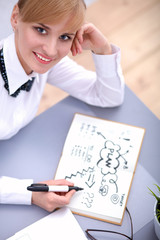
x=42 y=59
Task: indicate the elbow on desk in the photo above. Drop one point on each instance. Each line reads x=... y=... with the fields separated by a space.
x=104 y=101
x=109 y=103
x=116 y=100
x=119 y=100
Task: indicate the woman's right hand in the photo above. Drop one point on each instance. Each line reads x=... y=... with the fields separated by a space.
x=51 y=200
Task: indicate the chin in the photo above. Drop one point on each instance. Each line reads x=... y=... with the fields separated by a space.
x=41 y=70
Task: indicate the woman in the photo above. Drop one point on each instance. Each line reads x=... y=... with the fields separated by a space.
x=44 y=33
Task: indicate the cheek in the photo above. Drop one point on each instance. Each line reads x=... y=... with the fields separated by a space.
x=31 y=42
x=65 y=49
x=28 y=40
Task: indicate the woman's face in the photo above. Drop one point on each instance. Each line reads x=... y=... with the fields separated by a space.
x=40 y=46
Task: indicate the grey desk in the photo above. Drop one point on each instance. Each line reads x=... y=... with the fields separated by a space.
x=35 y=151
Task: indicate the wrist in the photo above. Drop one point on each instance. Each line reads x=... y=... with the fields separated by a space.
x=105 y=50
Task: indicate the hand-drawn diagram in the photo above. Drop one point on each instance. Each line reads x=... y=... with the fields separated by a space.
x=88 y=199
x=110 y=159
x=87 y=175
x=115 y=198
x=100 y=156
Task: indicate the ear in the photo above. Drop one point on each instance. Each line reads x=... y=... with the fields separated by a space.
x=15 y=17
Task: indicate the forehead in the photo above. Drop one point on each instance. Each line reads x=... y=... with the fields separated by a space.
x=63 y=26
x=70 y=23
x=67 y=24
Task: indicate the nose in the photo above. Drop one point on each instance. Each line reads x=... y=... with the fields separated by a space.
x=50 y=47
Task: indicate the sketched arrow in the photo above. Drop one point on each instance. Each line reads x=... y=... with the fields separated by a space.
x=90 y=181
x=99 y=133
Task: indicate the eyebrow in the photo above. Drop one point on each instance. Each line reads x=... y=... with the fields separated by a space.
x=44 y=26
x=48 y=28
x=73 y=34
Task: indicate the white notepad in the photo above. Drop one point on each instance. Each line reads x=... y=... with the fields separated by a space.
x=100 y=156
x=58 y=225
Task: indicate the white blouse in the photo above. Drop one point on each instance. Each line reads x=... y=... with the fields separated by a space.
x=104 y=88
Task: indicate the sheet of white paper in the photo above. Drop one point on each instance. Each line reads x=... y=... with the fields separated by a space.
x=59 y=225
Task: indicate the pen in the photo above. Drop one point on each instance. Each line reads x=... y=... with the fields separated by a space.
x=38 y=187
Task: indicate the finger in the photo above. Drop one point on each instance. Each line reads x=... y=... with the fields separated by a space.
x=85 y=29
x=62 y=182
x=70 y=194
x=63 y=200
x=78 y=46
x=73 y=49
x=79 y=35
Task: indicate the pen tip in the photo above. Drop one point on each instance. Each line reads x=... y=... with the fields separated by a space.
x=79 y=189
x=76 y=188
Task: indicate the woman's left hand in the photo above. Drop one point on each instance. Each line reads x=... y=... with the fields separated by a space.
x=88 y=37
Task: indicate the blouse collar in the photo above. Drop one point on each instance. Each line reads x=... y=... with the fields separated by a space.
x=15 y=72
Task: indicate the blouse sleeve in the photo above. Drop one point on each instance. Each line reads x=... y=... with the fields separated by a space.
x=14 y=191
x=104 y=88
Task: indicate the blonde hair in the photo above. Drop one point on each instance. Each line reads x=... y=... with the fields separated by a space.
x=52 y=11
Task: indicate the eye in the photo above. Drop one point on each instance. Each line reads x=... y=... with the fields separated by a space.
x=41 y=30
x=65 y=37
